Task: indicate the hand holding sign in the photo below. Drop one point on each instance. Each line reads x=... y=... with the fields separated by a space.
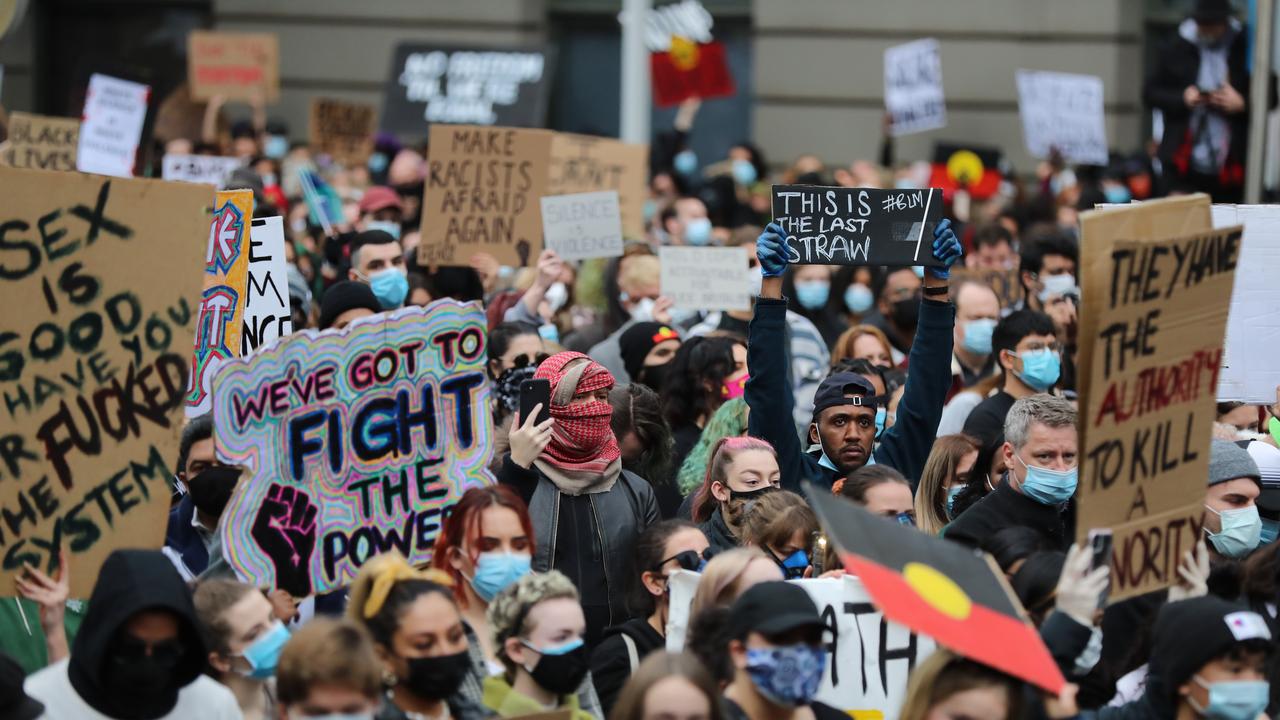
x=285 y=529
x=947 y=248
x=771 y=251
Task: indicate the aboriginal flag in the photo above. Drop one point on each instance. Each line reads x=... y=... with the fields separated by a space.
x=974 y=168
x=937 y=588
x=690 y=70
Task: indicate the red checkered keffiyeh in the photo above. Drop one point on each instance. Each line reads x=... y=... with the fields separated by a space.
x=583 y=455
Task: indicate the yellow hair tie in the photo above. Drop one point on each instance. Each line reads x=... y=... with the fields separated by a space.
x=395 y=569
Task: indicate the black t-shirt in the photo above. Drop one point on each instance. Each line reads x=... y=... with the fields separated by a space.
x=821 y=711
x=986 y=422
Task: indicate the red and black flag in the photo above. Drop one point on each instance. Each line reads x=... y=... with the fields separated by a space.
x=973 y=168
x=937 y=588
x=688 y=70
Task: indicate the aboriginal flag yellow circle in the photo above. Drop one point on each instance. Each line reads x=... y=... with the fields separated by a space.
x=964 y=166
x=684 y=53
x=940 y=591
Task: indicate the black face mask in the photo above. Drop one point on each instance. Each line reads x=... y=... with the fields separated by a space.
x=141 y=685
x=561 y=674
x=906 y=313
x=437 y=678
x=211 y=489
x=655 y=376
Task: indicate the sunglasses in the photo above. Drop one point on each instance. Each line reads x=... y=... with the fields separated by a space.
x=690 y=560
x=520 y=361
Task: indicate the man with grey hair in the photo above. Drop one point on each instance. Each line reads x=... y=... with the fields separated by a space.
x=1040 y=454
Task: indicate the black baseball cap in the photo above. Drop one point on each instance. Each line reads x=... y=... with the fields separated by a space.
x=837 y=388
x=774 y=608
x=15 y=704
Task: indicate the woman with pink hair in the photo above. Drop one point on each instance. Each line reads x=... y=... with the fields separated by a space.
x=739 y=470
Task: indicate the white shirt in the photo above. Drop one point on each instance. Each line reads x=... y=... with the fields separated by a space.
x=203 y=699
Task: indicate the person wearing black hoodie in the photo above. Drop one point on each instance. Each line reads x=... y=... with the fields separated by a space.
x=139 y=654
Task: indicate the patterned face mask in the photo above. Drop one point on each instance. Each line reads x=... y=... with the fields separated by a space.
x=789 y=675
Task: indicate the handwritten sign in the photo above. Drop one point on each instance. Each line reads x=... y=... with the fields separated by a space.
x=111 y=126
x=913 y=87
x=857 y=226
x=482 y=192
x=267 y=315
x=1063 y=111
x=1249 y=371
x=705 y=278
x=43 y=143
x=431 y=84
x=342 y=130
x=99 y=278
x=238 y=66
x=1007 y=284
x=582 y=225
x=355 y=442
x=221 y=311
x=583 y=163
x=207 y=169
x=868 y=657
x=1157 y=282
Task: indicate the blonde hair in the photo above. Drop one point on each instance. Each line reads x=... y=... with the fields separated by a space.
x=508 y=612
x=657 y=667
x=843 y=348
x=944 y=674
x=327 y=651
x=639 y=270
x=719 y=585
x=385 y=586
x=939 y=468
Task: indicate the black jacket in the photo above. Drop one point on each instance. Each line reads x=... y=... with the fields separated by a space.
x=718 y=533
x=1005 y=507
x=129 y=582
x=611 y=660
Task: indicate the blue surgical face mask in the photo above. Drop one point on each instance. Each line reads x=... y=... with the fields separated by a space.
x=813 y=294
x=697 y=231
x=377 y=162
x=685 y=162
x=952 y=493
x=1233 y=700
x=276 y=147
x=1270 y=531
x=650 y=209
x=977 y=336
x=858 y=298
x=744 y=173
x=387 y=226
x=882 y=414
x=1056 y=285
x=1117 y=194
x=789 y=676
x=390 y=286
x=1040 y=368
x=264 y=652
x=497 y=571
x=905 y=519
x=1046 y=486
x=1241 y=531
x=918 y=270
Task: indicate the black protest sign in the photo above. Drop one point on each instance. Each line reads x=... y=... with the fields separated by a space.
x=475 y=86
x=857 y=226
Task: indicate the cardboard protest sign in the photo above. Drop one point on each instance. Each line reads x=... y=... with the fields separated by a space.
x=100 y=279
x=582 y=225
x=355 y=442
x=869 y=657
x=342 y=130
x=857 y=226
x=937 y=588
x=1063 y=111
x=1007 y=284
x=267 y=314
x=1157 y=282
x=482 y=192
x=221 y=310
x=582 y=163
x=433 y=84
x=237 y=66
x=43 y=143
x=208 y=169
x=706 y=278
x=1249 y=370
x=913 y=87
x=111 y=126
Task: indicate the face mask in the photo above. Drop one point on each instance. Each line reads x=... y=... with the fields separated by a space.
x=905 y=519
x=650 y=209
x=906 y=313
x=377 y=163
x=1048 y=487
x=740 y=501
x=1118 y=194
x=734 y=388
x=1057 y=285
x=918 y=270
x=642 y=310
x=952 y=493
x=1040 y=369
x=812 y=295
x=390 y=286
x=556 y=296
x=788 y=676
x=263 y=653
x=495 y=572
x=560 y=669
x=549 y=333
x=685 y=162
x=794 y=565
x=977 y=336
x=298 y=225
x=331 y=716
x=276 y=147
x=858 y=298
x=881 y=415
x=143 y=683
x=211 y=489
x=755 y=281
x=1091 y=654
x=1238 y=700
x=1270 y=531
x=697 y=231
x=744 y=173
x=1241 y=531
x=654 y=376
x=390 y=228
x=269 y=179
x=437 y=678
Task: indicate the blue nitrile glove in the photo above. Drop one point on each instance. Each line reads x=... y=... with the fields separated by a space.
x=946 y=247
x=771 y=249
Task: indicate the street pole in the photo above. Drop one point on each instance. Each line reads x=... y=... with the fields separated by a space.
x=1258 y=85
x=634 y=87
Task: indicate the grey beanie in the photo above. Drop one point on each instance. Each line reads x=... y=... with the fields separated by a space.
x=1228 y=461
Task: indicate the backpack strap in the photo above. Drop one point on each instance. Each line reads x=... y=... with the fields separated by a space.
x=632 y=654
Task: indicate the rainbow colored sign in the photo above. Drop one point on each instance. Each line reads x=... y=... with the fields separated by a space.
x=354 y=442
